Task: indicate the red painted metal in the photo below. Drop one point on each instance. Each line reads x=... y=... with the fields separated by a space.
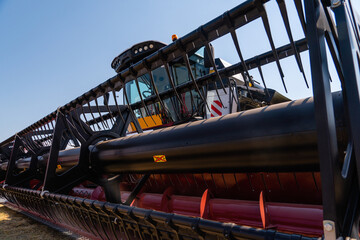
x=287 y=217
x=300 y=187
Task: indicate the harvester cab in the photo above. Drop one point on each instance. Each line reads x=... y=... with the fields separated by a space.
x=229 y=95
x=224 y=157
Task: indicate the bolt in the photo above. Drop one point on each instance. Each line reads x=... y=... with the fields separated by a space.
x=328 y=227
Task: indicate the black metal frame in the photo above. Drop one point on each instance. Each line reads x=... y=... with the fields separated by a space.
x=340 y=189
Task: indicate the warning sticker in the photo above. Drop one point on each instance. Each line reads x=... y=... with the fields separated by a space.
x=159 y=158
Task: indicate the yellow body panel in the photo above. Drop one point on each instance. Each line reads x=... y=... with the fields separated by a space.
x=147 y=122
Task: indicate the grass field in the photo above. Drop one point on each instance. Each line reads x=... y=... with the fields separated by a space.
x=14 y=226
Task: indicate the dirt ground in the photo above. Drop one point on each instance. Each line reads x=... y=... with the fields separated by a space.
x=14 y=226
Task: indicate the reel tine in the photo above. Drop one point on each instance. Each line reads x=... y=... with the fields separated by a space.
x=166 y=65
x=209 y=52
x=30 y=143
x=103 y=123
x=283 y=11
x=300 y=11
x=71 y=125
x=106 y=103
x=262 y=77
x=193 y=105
x=148 y=68
x=143 y=103
x=44 y=139
x=187 y=63
x=76 y=113
x=117 y=106
x=74 y=126
x=86 y=121
x=49 y=137
x=92 y=115
x=231 y=89
x=71 y=115
x=237 y=46
x=37 y=136
x=131 y=111
x=156 y=90
x=171 y=99
x=266 y=24
x=52 y=125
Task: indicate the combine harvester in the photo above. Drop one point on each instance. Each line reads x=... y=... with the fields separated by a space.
x=182 y=145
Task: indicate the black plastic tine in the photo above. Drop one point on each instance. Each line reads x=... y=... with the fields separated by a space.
x=155 y=106
x=142 y=101
x=216 y=72
x=103 y=123
x=156 y=109
x=212 y=60
x=283 y=11
x=300 y=11
x=193 y=105
x=92 y=115
x=131 y=111
x=265 y=21
x=46 y=139
x=106 y=103
x=42 y=135
x=148 y=68
x=245 y=68
x=166 y=65
x=86 y=121
x=76 y=113
x=171 y=99
x=74 y=126
x=50 y=135
x=262 y=77
x=29 y=143
x=142 y=116
x=187 y=63
x=117 y=106
x=231 y=89
x=156 y=90
x=71 y=126
x=52 y=125
x=45 y=135
x=35 y=136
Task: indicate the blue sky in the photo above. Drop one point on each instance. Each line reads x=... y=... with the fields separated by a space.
x=53 y=51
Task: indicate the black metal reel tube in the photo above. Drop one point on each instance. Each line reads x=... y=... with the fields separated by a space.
x=280 y=137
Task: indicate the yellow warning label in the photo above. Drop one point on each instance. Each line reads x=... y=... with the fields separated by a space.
x=159 y=158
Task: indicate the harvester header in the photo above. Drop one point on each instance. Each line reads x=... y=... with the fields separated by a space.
x=181 y=144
